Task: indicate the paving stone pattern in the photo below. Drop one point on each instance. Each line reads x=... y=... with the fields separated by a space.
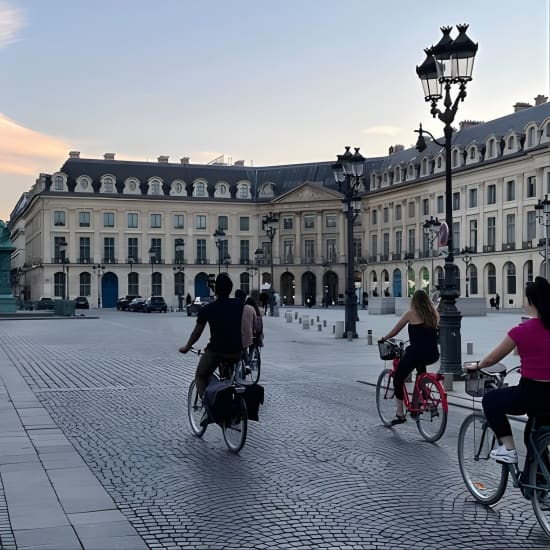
x=318 y=470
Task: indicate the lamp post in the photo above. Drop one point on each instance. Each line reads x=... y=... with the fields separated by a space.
x=227 y=262
x=268 y=225
x=448 y=62
x=467 y=259
x=363 y=263
x=63 y=250
x=543 y=216
x=431 y=230
x=99 y=269
x=259 y=254
x=217 y=235
x=152 y=259
x=178 y=268
x=348 y=174
x=409 y=263
x=251 y=271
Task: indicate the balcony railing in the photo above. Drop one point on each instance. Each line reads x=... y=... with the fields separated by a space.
x=179 y=261
x=508 y=246
x=202 y=261
x=157 y=261
x=384 y=257
x=244 y=261
x=109 y=260
x=396 y=256
x=488 y=248
x=59 y=260
x=527 y=244
x=373 y=259
x=85 y=260
x=134 y=259
x=409 y=256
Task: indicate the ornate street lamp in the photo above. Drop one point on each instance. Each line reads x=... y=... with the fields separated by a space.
x=227 y=262
x=63 y=246
x=363 y=263
x=178 y=270
x=543 y=216
x=409 y=263
x=467 y=259
x=152 y=259
x=268 y=225
x=259 y=254
x=448 y=62
x=431 y=230
x=348 y=174
x=100 y=270
x=218 y=234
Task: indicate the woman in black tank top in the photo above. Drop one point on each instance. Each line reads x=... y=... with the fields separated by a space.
x=423 y=322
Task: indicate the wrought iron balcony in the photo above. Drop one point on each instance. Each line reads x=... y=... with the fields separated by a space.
x=202 y=261
x=488 y=248
x=85 y=260
x=396 y=256
x=508 y=246
x=109 y=260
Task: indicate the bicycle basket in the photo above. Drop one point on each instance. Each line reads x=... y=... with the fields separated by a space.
x=478 y=384
x=388 y=350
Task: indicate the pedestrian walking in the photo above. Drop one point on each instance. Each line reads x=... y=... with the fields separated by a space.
x=497 y=302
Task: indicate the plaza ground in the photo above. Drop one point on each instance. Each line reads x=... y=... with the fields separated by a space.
x=96 y=451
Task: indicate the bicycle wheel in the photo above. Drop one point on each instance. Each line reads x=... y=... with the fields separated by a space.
x=484 y=477
x=236 y=428
x=385 y=397
x=540 y=497
x=195 y=410
x=431 y=421
x=255 y=364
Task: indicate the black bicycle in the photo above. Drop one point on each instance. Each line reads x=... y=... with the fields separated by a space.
x=250 y=364
x=485 y=478
x=235 y=428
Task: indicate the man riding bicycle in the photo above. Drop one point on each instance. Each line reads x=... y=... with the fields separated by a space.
x=224 y=316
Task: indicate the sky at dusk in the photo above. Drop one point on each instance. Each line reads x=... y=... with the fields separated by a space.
x=268 y=82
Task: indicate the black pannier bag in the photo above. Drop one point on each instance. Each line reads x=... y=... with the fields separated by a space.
x=253 y=397
x=387 y=350
x=220 y=401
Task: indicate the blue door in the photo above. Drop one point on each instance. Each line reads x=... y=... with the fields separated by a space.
x=201 y=285
x=109 y=290
x=397 y=283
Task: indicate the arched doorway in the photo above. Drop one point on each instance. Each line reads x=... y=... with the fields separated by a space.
x=439 y=277
x=330 y=288
x=397 y=283
x=385 y=278
x=309 y=288
x=288 y=288
x=411 y=286
x=425 y=279
x=201 y=285
x=373 y=284
x=109 y=289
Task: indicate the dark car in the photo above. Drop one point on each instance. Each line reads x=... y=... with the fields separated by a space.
x=137 y=304
x=44 y=303
x=200 y=301
x=155 y=303
x=81 y=302
x=124 y=302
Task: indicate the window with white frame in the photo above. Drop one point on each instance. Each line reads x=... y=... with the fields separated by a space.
x=425 y=207
x=491 y=194
x=154 y=188
x=179 y=221
x=398 y=242
x=510 y=228
x=456 y=235
x=58 y=183
x=473 y=235
x=531 y=137
x=440 y=204
x=243 y=191
x=531 y=186
x=108 y=185
x=511 y=142
x=491 y=231
x=84 y=250
x=510 y=190
x=491 y=148
x=412 y=210
x=397 y=212
x=472 y=153
x=309 y=222
x=411 y=245
x=472 y=198
x=84 y=219
x=85 y=284
x=108 y=219
x=132 y=220
x=244 y=223
x=200 y=221
x=156 y=221
x=386 y=244
x=330 y=220
x=331 y=251
x=456 y=201
x=491 y=279
x=59 y=218
x=510 y=270
x=199 y=189
x=374 y=245
x=309 y=249
x=531 y=225
x=287 y=223
x=223 y=222
x=109 y=249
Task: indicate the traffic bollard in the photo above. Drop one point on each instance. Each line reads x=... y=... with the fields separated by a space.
x=369 y=337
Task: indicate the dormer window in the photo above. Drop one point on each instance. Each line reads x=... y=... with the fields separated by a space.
x=455 y=158
x=410 y=173
x=108 y=185
x=200 y=189
x=511 y=142
x=472 y=153
x=154 y=188
x=397 y=175
x=266 y=190
x=531 y=137
x=439 y=162
x=243 y=191
x=58 y=183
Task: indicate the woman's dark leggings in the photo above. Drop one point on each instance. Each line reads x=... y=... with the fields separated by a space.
x=410 y=361
x=528 y=397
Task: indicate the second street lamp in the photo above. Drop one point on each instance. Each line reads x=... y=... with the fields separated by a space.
x=268 y=225
x=543 y=216
x=259 y=254
x=63 y=251
x=448 y=62
x=348 y=174
x=100 y=270
x=467 y=259
x=431 y=230
x=218 y=234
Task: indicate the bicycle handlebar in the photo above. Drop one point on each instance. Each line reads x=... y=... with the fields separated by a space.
x=195 y=351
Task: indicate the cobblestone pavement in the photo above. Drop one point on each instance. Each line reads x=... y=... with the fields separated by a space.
x=318 y=470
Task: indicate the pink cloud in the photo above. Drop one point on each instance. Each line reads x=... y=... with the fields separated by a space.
x=11 y=21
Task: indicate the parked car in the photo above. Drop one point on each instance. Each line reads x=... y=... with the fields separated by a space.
x=200 y=301
x=156 y=303
x=137 y=304
x=81 y=302
x=44 y=303
x=124 y=302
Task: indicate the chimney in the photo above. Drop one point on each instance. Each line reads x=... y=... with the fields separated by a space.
x=184 y=160
x=163 y=159
x=239 y=163
x=398 y=147
x=390 y=150
x=109 y=156
x=465 y=124
x=521 y=106
x=74 y=154
x=540 y=99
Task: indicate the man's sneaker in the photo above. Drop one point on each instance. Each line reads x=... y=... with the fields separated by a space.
x=501 y=454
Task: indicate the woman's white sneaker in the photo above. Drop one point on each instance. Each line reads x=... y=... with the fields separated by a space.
x=502 y=454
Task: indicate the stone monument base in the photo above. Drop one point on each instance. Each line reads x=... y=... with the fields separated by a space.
x=7 y=304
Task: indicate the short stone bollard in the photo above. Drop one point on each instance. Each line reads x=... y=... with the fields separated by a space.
x=469 y=348
x=369 y=337
x=448 y=381
x=312 y=322
x=339 y=331
x=350 y=336
x=317 y=318
x=300 y=320
x=305 y=322
x=288 y=317
x=333 y=329
x=319 y=328
x=295 y=315
x=324 y=323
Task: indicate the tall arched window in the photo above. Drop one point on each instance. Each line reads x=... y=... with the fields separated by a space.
x=156 y=287
x=85 y=286
x=133 y=284
x=510 y=272
x=59 y=284
x=245 y=283
x=472 y=274
x=491 y=279
x=179 y=283
x=455 y=158
x=528 y=271
x=531 y=137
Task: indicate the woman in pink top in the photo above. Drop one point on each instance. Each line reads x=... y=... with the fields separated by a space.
x=532 y=395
